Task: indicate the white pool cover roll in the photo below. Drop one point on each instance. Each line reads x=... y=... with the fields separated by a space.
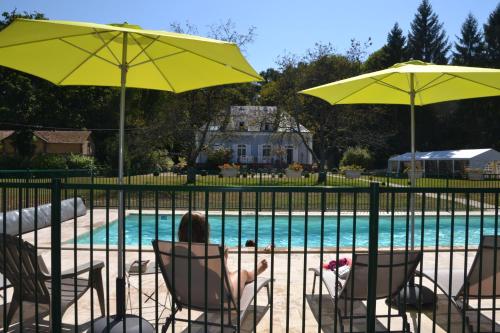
x=43 y=218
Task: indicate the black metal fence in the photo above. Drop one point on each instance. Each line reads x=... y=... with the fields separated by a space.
x=249 y=178
x=449 y=253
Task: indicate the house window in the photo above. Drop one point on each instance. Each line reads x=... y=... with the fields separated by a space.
x=266 y=151
x=268 y=127
x=242 y=125
x=289 y=154
x=242 y=151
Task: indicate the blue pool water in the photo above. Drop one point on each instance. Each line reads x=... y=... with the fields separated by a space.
x=248 y=223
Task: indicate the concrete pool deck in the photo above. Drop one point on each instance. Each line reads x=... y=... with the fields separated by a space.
x=292 y=280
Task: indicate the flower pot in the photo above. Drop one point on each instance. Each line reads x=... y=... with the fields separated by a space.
x=229 y=172
x=418 y=174
x=475 y=175
x=293 y=173
x=352 y=174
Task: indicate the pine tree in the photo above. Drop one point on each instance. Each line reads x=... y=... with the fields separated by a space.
x=492 y=38
x=469 y=49
x=395 y=50
x=427 y=39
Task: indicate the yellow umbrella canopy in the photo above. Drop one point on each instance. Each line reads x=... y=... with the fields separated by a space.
x=121 y=55
x=77 y=53
x=431 y=84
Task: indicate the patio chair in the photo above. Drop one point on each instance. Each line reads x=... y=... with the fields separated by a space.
x=18 y=264
x=482 y=282
x=209 y=290
x=393 y=272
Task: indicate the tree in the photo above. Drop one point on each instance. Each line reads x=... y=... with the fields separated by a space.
x=492 y=38
x=395 y=48
x=469 y=48
x=392 y=52
x=189 y=116
x=427 y=39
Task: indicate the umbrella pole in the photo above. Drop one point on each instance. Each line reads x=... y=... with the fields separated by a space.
x=412 y=294
x=412 y=166
x=121 y=322
x=120 y=280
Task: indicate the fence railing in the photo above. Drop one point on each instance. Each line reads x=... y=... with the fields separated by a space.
x=257 y=178
x=296 y=229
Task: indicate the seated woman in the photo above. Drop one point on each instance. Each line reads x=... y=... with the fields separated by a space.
x=200 y=233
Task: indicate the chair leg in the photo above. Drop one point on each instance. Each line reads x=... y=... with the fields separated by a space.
x=14 y=305
x=98 y=286
x=314 y=283
x=168 y=321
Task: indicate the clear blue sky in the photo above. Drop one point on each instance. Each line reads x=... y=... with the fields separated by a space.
x=281 y=25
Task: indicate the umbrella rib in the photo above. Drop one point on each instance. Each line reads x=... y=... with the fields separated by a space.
x=364 y=87
x=143 y=50
x=208 y=58
x=473 y=81
x=156 y=66
x=107 y=46
x=91 y=54
x=431 y=84
x=49 y=39
x=156 y=59
x=388 y=85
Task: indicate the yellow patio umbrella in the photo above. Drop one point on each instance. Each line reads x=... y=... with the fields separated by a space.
x=120 y=55
x=411 y=83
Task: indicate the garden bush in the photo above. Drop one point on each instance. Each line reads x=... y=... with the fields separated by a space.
x=357 y=156
x=75 y=161
x=218 y=156
x=48 y=161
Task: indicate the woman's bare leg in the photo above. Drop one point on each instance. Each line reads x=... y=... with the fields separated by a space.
x=245 y=277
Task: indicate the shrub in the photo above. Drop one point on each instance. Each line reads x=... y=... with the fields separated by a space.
x=219 y=155
x=229 y=166
x=49 y=161
x=357 y=156
x=296 y=166
x=75 y=161
x=12 y=162
x=154 y=161
x=352 y=167
x=181 y=165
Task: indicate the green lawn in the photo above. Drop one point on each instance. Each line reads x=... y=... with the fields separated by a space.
x=249 y=200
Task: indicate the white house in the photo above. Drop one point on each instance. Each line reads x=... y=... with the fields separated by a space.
x=445 y=161
x=259 y=136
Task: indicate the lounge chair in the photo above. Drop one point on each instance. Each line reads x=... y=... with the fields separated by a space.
x=18 y=263
x=209 y=290
x=393 y=272
x=482 y=281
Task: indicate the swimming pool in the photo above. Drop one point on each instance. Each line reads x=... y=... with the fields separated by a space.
x=248 y=223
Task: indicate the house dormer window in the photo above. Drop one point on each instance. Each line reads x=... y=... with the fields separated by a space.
x=242 y=126
x=268 y=127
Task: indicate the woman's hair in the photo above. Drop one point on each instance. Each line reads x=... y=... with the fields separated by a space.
x=200 y=229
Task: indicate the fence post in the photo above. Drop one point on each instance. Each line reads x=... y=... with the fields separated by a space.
x=55 y=315
x=447 y=192
x=372 y=257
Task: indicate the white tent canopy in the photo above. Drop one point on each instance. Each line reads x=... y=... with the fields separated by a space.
x=445 y=161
